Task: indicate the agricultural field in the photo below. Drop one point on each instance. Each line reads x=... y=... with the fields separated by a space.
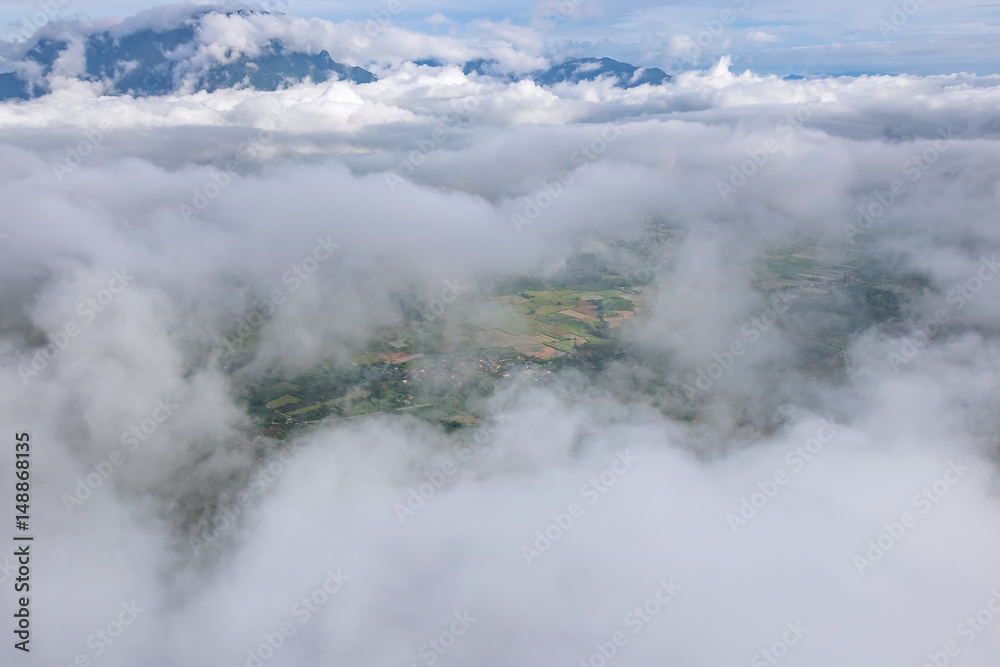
x=437 y=370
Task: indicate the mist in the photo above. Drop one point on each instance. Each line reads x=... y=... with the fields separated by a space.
x=717 y=492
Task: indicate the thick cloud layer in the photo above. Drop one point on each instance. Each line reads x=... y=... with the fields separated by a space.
x=835 y=517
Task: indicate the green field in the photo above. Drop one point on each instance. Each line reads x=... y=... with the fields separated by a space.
x=287 y=399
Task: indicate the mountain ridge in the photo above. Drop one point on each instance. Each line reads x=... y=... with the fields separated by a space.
x=165 y=59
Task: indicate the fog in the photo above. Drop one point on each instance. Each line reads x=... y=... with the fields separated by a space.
x=180 y=216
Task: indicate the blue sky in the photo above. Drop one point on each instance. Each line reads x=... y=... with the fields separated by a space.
x=767 y=36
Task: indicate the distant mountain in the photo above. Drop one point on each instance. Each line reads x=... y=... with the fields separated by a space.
x=576 y=70
x=483 y=67
x=278 y=67
x=156 y=62
x=834 y=75
x=141 y=57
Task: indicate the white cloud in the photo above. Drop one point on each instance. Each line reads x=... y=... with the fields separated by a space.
x=482 y=147
x=761 y=37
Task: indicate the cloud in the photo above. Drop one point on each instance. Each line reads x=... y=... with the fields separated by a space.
x=681 y=45
x=849 y=493
x=762 y=37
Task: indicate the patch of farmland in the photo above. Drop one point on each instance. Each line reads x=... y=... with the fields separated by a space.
x=287 y=399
